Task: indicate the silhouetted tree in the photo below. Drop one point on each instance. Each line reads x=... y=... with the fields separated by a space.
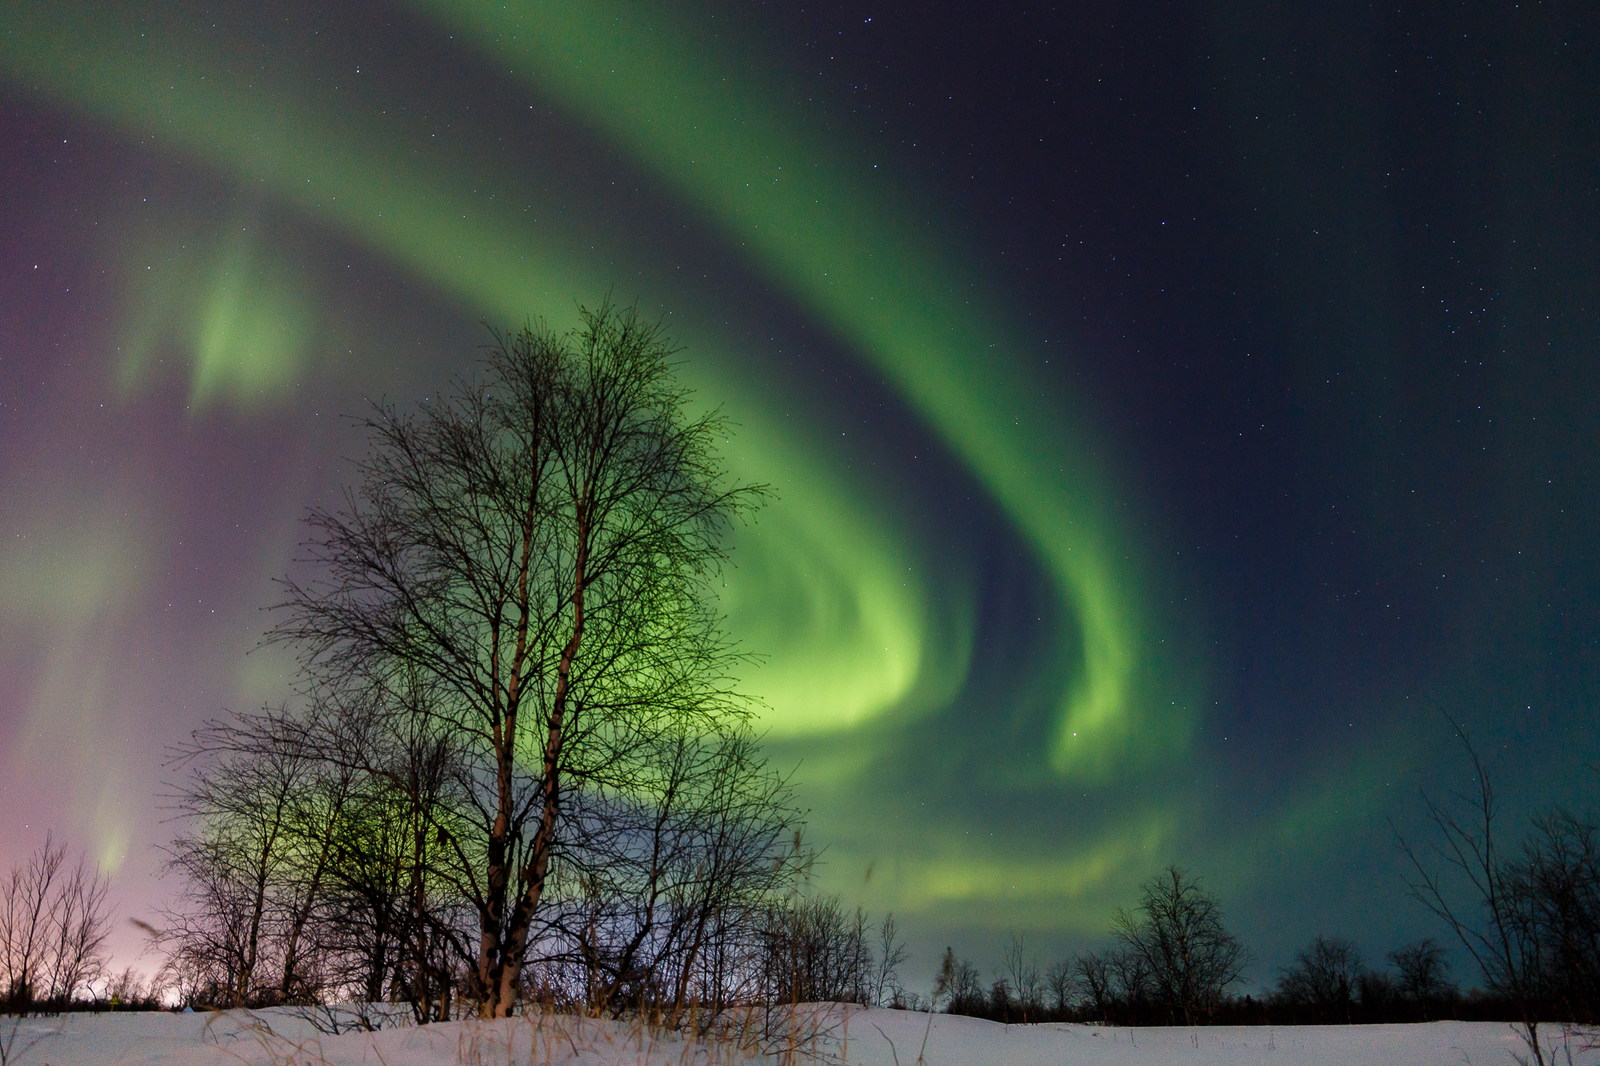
x=1000 y=999
x=54 y=923
x=1505 y=942
x=1178 y=937
x=1325 y=977
x=1423 y=973
x=1376 y=992
x=1059 y=983
x=957 y=985
x=1021 y=972
x=261 y=812
x=538 y=550
x=1094 y=976
x=684 y=865
x=891 y=955
x=1557 y=877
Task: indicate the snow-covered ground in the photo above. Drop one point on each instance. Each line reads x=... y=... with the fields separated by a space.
x=857 y=1037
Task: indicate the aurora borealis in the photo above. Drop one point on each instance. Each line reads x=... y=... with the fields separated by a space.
x=1171 y=409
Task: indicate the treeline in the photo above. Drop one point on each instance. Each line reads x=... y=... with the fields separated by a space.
x=1328 y=984
x=1526 y=912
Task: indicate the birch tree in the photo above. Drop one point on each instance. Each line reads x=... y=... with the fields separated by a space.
x=540 y=547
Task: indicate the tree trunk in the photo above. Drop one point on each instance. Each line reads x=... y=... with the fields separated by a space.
x=303 y=913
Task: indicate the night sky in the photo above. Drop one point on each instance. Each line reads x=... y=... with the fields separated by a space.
x=1175 y=409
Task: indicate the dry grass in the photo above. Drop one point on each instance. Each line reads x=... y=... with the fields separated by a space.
x=809 y=1035
x=801 y=1036
x=277 y=1049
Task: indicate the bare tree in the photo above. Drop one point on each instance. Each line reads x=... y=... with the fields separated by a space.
x=26 y=917
x=1058 y=981
x=397 y=915
x=245 y=813
x=539 y=550
x=1000 y=999
x=1558 y=875
x=1132 y=983
x=519 y=733
x=891 y=956
x=957 y=985
x=1324 y=977
x=737 y=861
x=1505 y=943
x=669 y=877
x=81 y=928
x=1094 y=978
x=1021 y=972
x=1423 y=973
x=1178 y=936
x=54 y=923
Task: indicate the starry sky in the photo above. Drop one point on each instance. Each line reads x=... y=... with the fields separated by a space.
x=1175 y=409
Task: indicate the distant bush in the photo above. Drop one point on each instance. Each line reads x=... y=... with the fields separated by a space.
x=815 y=951
x=1325 y=979
x=1172 y=960
x=958 y=985
x=129 y=990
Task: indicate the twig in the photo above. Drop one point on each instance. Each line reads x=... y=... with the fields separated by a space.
x=885 y=1036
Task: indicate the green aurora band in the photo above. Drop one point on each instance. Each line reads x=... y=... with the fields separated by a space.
x=707 y=131
x=247 y=329
x=863 y=621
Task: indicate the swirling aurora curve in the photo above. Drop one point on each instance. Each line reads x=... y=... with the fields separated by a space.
x=827 y=579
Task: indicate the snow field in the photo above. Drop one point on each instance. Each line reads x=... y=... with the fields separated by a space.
x=856 y=1037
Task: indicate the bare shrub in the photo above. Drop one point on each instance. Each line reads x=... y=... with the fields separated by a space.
x=815 y=951
x=1424 y=974
x=1325 y=978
